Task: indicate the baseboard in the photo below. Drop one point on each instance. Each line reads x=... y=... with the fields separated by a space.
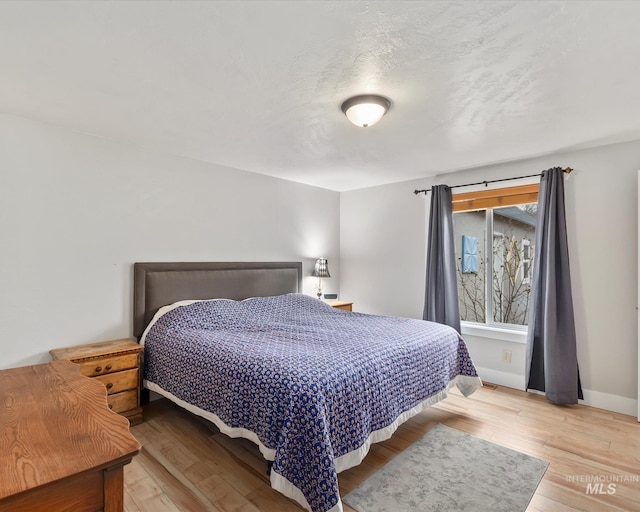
x=609 y=402
x=510 y=380
x=606 y=401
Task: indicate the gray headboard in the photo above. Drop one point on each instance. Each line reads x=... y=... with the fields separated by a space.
x=158 y=284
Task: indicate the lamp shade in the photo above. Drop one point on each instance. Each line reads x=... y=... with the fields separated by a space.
x=365 y=110
x=321 y=268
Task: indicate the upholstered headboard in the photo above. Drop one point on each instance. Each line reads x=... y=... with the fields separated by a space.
x=158 y=284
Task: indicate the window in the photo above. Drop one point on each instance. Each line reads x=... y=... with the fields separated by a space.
x=495 y=234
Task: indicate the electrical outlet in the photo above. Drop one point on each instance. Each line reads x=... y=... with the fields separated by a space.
x=506 y=356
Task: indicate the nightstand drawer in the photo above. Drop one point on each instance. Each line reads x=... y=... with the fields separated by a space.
x=108 y=364
x=119 y=381
x=121 y=402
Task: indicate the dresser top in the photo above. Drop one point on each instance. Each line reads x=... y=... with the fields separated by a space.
x=102 y=348
x=55 y=423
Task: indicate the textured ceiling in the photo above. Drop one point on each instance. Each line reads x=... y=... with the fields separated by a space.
x=258 y=85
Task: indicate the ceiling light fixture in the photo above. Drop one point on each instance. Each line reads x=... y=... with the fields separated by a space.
x=365 y=110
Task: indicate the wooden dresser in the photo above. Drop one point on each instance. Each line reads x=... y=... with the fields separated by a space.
x=61 y=448
x=116 y=364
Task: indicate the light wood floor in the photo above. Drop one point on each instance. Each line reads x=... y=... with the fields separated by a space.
x=187 y=465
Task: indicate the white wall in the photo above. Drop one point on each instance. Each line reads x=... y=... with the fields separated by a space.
x=382 y=243
x=383 y=259
x=77 y=211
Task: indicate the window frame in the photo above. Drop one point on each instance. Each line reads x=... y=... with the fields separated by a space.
x=487 y=199
x=495 y=198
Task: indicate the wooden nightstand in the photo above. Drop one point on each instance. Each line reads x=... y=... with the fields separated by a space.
x=116 y=364
x=340 y=304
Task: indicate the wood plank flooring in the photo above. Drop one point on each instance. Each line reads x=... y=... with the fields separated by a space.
x=186 y=464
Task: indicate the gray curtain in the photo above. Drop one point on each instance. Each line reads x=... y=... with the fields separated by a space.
x=552 y=363
x=441 y=294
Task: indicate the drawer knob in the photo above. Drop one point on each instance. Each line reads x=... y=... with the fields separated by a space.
x=110 y=406
x=108 y=367
x=98 y=368
x=110 y=385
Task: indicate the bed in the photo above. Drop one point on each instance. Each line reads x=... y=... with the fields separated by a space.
x=312 y=386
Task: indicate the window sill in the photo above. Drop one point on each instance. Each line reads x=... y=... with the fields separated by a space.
x=493 y=332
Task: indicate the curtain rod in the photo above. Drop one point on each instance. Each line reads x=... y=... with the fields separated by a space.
x=485 y=183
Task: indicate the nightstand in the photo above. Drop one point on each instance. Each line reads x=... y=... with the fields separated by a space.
x=116 y=364
x=340 y=304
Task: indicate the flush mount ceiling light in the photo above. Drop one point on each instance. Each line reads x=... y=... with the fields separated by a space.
x=365 y=110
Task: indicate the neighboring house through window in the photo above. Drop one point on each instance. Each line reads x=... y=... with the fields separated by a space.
x=494 y=287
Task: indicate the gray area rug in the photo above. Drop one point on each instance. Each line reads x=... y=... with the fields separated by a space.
x=450 y=471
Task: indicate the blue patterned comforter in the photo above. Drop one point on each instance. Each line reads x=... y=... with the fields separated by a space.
x=309 y=383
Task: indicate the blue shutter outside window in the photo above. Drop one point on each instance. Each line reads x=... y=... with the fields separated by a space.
x=469 y=254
